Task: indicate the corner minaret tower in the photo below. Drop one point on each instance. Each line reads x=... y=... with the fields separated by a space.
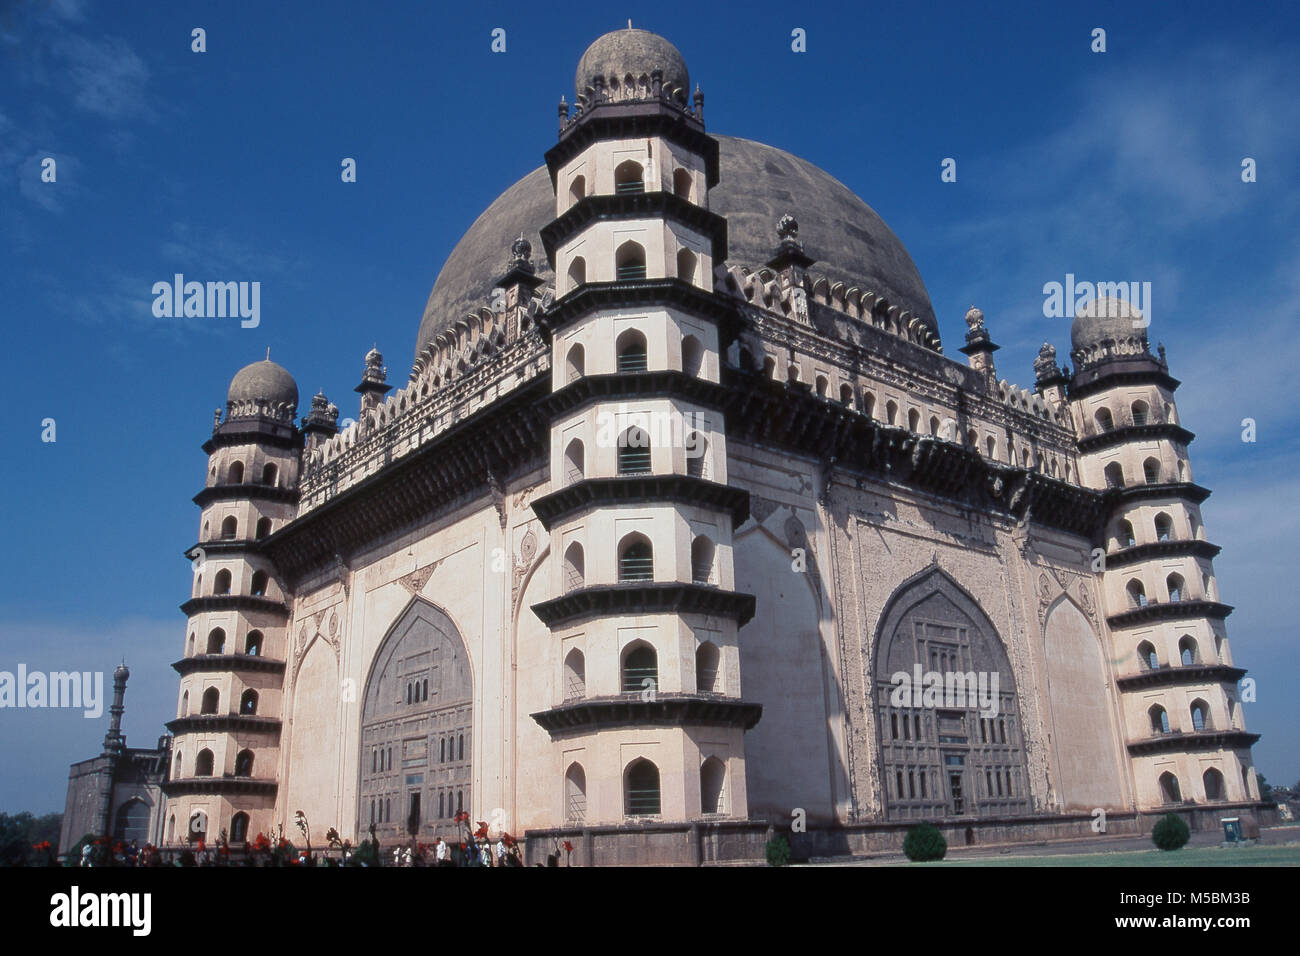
x=1185 y=729
x=640 y=513
x=227 y=726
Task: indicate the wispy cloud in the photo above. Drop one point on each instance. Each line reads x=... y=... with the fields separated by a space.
x=105 y=75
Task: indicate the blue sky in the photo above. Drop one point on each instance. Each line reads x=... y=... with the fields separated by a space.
x=225 y=165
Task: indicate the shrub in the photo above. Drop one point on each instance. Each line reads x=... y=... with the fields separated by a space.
x=924 y=842
x=1170 y=833
x=778 y=851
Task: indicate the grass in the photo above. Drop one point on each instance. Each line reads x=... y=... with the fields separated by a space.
x=1288 y=855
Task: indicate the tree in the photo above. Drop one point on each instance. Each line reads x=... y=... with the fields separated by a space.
x=19 y=832
x=924 y=842
x=1265 y=789
x=1170 y=833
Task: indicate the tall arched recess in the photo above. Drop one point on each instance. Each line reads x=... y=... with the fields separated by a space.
x=417 y=727
x=948 y=757
x=1084 y=741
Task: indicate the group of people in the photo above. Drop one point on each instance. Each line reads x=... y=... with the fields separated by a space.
x=477 y=853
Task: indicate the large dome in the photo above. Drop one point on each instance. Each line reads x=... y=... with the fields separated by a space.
x=759 y=183
x=263 y=381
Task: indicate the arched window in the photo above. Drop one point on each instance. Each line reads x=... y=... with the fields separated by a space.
x=211 y=700
x=1140 y=411
x=1200 y=715
x=769 y=367
x=575 y=363
x=686 y=264
x=189 y=646
x=1182 y=470
x=198 y=827
x=640 y=668
x=891 y=412
x=821 y=385
x=1126 y=538
x=216 y=641
x=577 y=189
x=991 y=445
x=633 y=354
x=229 y=528
x=713 y=776
x=846 y=394
x=203 y=763
x=263 y=528
x=268 y=474
x=575 y=794
x=1114 y=475
x=442 y=751
x=235 y=475
x=575 y=568
x=1151 y=471
x=1176 y=587
x=1213 y=781
x=575 y=675
x=683 y=184
x=460 y=747
x=629 y=262
x=248 y=702
x=641 y=789
x=244 y=763
x=1104 y=420
x=574 y=462
x=1159 y=719
x=253 y=644
x=792 y=372
x=1164 y=527
x=692 y=356
x=1137 y=594
x=634 y=452
x=934 y=426
x=185 y=704
x=1147 y=656
x=635 y=559
x=177 y=763
x=868 y=404
x=1024 y=458
x=697 y=455
x=1187 y=651
x=221 y=583
x=913 y=420
x=171 y=822
x=973 y=439
x=702 y=552
x=629 y=177
x=577 y=272
x=258 y=586
x=706 y=668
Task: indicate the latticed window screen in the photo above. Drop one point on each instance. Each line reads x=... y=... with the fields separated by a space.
x=641 y=665
x=636 y=564
x=632 y=359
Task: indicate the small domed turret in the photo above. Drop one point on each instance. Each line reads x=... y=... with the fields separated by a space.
x=635 y=53
x=263 y=381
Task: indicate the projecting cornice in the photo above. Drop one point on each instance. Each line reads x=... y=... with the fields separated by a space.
x=258 y=430
x=233 y=602
x=625 y=385
x=1166 y=489
x=1169 y=610
x=244 y=663
x=1161 y=549
x=242 y=492
x=1132 y=433
x=642 y=294
x=649 y=597
x=634 y=120
x=641 y=489
x=1192 y=741
x=654 y=204
x=1182 y=674
x=630 y=710
x=219 y=785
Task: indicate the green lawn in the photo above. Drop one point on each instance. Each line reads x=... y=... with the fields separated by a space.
x=1288 y=855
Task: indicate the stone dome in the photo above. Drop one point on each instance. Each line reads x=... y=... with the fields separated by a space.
x=635 y=53
x=1105 y=319
x=263 y=381
x=759 y=184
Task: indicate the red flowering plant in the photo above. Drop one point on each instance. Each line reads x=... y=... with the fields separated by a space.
x=568 y=852
x=44 y=849
x=481 y=832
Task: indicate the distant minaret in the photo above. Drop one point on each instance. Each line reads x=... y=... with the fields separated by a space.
x=114 y=744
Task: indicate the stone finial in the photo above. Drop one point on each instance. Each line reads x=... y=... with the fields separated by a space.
x=699 y=102
x=787 y=228
x=521 y=252
x=1045 y=367
x=974 y=319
